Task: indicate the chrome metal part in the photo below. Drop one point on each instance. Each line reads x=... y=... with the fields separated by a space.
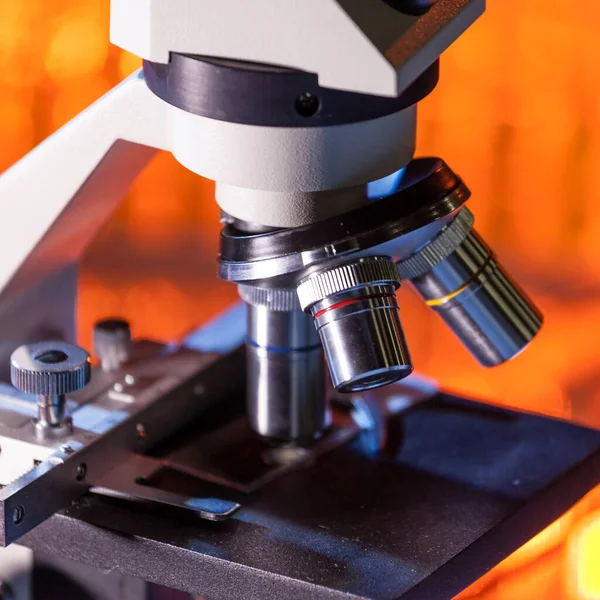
x=375 y=270
x=474 y=295
x=444 y=244
x=52 y=420
x=276 y=299
x=131 y=480
x=356 y=313
x=112 y=342
x=170 y=390
x=286 y=395
x=397 y=225
x=50 y=370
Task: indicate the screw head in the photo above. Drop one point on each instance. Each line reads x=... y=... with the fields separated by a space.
x=307 y=105
x=18 y=514
x=50 y=368
x=81 y=472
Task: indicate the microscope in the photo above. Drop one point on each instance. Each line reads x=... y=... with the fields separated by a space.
x=284 y=450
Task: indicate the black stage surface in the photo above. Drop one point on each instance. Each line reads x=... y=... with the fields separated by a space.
x=466 y=485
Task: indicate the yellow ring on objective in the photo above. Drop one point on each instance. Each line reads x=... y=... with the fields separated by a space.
x=447 y=297
x=462 y=288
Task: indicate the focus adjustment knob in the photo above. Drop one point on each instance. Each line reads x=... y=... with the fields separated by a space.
x=112 y=343
x=50 y=368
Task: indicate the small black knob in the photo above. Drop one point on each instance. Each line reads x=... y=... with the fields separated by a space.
x=411 y=7
x=112 y=342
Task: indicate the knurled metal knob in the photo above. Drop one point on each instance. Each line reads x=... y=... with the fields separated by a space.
x=112 y=342
x=276 y=299
x=373 y=270
x=440 y=248
x=50 y=368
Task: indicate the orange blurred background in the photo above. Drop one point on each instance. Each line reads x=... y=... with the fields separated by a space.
x=517 y=113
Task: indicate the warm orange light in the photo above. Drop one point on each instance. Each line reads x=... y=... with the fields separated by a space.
x=72 y=97
x=548 y=539
x=516 y=113
x=584 y=560
x=17 y=127
x=78 y=48
x=128 y=63
x=513 y=566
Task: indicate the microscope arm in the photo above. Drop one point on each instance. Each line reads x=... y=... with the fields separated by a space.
x=56 y=198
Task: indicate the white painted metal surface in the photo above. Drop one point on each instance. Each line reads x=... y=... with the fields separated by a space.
x=54 y=201
x=300 y=208
x=357 y=45
x=287 y=159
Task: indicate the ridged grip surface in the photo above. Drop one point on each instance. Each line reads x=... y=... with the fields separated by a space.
x=365 y=271
x=440 y=248
x=112 y=340
x=68 y=370
x=278 y=300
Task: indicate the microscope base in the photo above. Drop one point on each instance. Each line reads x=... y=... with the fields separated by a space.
x=454 y=488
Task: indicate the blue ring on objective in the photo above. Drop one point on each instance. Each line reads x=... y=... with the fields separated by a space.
x=280 y=349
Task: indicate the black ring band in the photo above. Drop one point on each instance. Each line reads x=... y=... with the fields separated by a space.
x=411 y=7
x=426 y=182
x=270 y=96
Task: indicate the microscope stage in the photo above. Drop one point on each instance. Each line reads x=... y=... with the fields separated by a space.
x=464 y=485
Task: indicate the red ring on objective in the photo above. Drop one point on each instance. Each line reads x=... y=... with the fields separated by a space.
x=350 y=301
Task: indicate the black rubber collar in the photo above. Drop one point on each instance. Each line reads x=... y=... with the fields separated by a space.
x=253 y=94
